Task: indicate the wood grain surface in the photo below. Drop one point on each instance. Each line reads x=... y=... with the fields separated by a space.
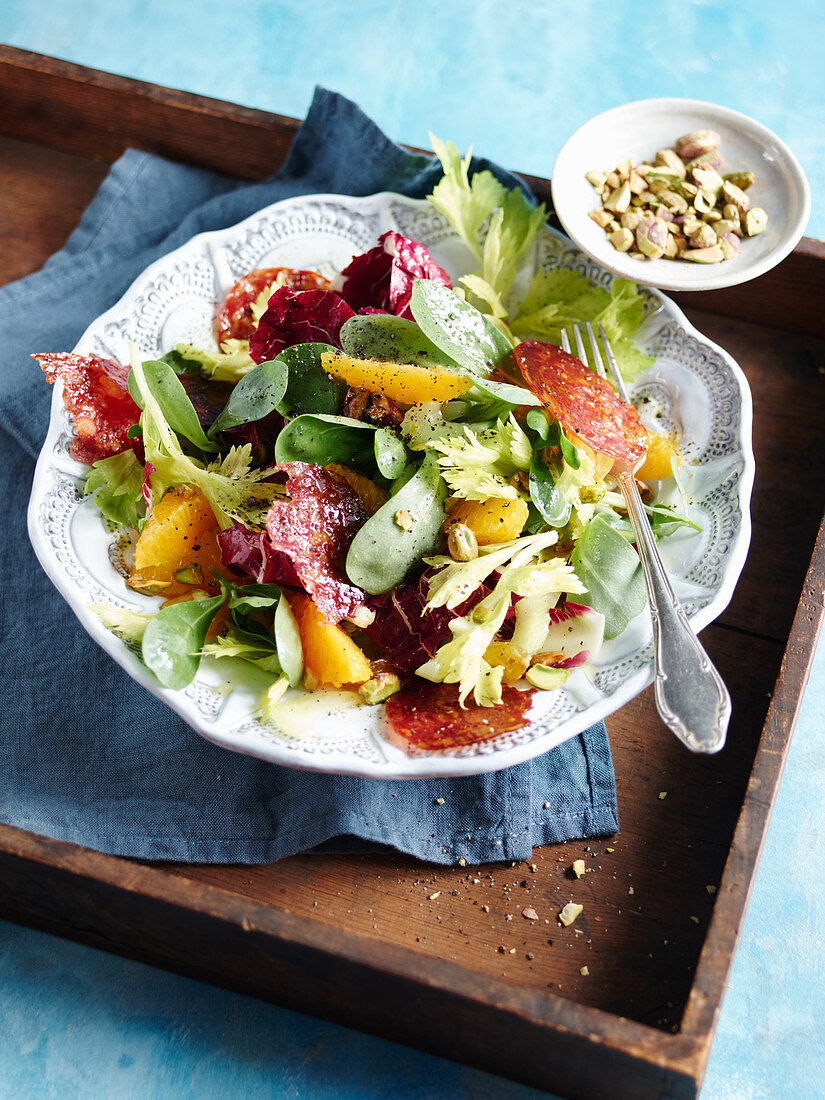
x=472 y=963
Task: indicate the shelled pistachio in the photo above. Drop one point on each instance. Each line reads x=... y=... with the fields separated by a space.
x=679 y=205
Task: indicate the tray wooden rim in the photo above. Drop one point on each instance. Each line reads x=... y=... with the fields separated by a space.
x=682 y=1056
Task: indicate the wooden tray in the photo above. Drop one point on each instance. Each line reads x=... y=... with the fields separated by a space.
x=431 y=957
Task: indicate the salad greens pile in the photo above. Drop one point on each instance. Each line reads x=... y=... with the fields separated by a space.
x=398 y=592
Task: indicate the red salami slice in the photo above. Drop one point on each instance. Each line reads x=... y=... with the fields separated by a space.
x=94 y=392
x=235 y=318
x=314 y=528
x=428 y=716
x=585 y=405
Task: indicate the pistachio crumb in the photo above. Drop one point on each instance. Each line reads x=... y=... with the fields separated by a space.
x=569 y=913
x=529 y=913
x=663 y=795
x=711 y=889
x=403 y=520
x=439 y=802
x=432 y=897
x=578 y=867
x=584 y=971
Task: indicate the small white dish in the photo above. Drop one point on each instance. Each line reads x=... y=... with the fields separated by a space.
x=638 y=130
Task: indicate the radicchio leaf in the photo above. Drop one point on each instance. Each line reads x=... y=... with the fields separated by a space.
x=382 y=278
x=405 y=631
x=250 y=553
x=298 y=317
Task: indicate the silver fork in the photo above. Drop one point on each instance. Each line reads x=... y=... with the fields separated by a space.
x=691 y=696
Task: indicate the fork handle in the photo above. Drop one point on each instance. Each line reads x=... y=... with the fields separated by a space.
x=691 y=696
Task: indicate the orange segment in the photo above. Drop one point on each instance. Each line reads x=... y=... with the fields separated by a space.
x=401 y=382
x=331 y=657
x=491 y=521
x=660 y=450
x=180 y=536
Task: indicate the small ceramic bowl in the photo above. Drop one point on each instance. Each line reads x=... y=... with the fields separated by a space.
x=638 y=130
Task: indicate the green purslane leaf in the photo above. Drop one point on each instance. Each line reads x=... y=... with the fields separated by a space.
x=288 y=642
x=322 y=439
x=392 y=339
x=550 y=501
x=309 y=388
x=390 y=454
x=400 y=533
x=610 y=570
x=255 y=396
x=459 y=329
x=173 y=640
x=173 y=401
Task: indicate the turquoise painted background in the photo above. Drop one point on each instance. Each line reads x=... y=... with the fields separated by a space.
x=514 y=79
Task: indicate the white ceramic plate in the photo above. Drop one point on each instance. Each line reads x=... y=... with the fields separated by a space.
x=694 y=385
x=638 y=130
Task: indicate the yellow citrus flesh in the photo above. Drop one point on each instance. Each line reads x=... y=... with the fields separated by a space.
x=402 y=382
x=491 y=521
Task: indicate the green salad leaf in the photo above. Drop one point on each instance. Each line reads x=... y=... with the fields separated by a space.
x=400 y=533
x=322 y=439
x=173 y=640
x=309 y=388
x=254 y=397
x=172 y=400
x=393 y=339
x=467 y=336
x=117 y=486
x=611 y=573
x=559 y=298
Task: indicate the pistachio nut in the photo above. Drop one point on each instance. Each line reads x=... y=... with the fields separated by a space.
x=731 y=212
x=730 y=245
x=673 y=202
x=671 y=250
x=735 y=196
x=619 y=199
x=636 y=183
x=612 y=179
x=742 y=180
x=630 y=219
x=725 y=225
x=651 y=236
x=755 y=221
x=704 y=237
x=596 y=179
x=379 y=688
x=691 y=224
x=462 y=544
x=621 y=239
x=710 y=255
x=707 y=179
x=601 y=217
x=669 y=158
x=695 y=143
x=712 y=159
x=704 y=201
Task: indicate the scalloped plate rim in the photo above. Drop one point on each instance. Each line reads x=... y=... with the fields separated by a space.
x=409 y=767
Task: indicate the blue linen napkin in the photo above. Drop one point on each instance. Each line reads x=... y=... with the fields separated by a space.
x=88 y=755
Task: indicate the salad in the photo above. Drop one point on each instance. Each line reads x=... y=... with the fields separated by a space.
x=380 y=481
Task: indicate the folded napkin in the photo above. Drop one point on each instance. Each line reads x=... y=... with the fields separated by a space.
x=89 y=756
